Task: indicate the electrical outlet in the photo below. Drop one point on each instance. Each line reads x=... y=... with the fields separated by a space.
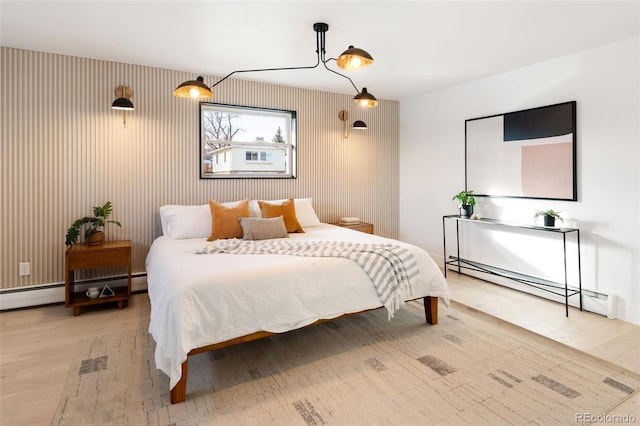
x=25 y=269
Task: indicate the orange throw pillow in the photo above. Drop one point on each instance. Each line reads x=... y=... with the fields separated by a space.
x=287 y=210
x=225 y=221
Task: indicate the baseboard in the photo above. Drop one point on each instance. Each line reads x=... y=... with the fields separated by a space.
x=46 y=294
x=592 y=301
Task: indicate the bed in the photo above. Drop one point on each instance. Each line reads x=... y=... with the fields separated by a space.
x=202 y=302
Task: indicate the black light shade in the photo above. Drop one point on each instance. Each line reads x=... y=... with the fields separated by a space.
x=193 y=89
x=354 y=58
x=366 y=99
x=123 y=104
x=123 y=101
x=359 y=125
x=346 y=129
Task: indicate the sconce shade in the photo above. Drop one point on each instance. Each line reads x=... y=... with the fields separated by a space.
x=346 y=129
x=123 y=104
x=123 y=101
x=354 y=58
x=365 y=99
x=193 y=89
x=359 y=125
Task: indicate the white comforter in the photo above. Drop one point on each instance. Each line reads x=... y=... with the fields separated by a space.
x=199 y=300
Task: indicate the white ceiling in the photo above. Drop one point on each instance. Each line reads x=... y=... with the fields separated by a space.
x=418 y=46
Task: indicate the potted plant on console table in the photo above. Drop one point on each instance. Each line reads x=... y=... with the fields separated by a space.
x=93 y=233
x=466 y=200
x=550 y=217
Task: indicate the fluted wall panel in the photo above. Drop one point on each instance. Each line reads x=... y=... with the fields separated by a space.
x=65 y=150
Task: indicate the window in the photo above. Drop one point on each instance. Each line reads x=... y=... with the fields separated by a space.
x=263 y=156
x=253 y=142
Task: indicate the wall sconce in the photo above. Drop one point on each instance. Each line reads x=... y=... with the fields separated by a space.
x=123 y=101
x=357 y=125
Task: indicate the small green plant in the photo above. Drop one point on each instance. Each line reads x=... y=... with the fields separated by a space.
x=93 y=224
x=465 y=198
x=548 y=213
x=549 y=216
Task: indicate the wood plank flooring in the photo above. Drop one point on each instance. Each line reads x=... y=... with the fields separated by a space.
x=609 y=339
x=37 y=344
x=36 y=348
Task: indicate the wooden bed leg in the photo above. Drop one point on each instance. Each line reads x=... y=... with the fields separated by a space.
x=431 y=310
x=179 y=391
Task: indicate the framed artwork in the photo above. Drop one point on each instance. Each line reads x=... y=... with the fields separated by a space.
x=246 y=142
x=527 y=154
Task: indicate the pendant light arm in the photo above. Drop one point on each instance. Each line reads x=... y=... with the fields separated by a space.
x=263 y=69
x=319 y=52
x=321 y=57
x=341 y=75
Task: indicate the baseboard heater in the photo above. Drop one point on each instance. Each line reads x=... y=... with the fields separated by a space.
x=47 y=294
x=592 y=301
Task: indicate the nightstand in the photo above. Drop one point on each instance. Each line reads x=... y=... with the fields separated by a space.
x=82 y=256
x=362 y=227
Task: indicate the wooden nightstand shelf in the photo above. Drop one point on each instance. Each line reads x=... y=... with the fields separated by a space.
x=362 y=227
x=82 y=256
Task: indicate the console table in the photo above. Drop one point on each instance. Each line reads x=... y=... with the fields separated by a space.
x=562 y=289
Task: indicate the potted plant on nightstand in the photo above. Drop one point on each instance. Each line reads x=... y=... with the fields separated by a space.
x=93 y=233
x=550 y=217
x=466 y=200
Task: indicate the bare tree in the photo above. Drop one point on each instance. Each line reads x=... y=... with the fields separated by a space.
x=218 y=127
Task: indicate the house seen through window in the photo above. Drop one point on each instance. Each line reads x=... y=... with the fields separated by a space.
x=246 y=142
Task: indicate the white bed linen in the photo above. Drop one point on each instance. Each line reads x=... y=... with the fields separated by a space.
x=202 y=299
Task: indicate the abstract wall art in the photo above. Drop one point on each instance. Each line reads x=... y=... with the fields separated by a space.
x=527 y=154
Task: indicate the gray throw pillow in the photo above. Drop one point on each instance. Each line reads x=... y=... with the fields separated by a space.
x=263 y=229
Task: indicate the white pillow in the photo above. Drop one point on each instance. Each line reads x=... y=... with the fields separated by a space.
x=254 y=209
x=180 y=222
x=304 y=211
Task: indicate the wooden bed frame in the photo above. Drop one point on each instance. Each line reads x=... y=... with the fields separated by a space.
x=179 y=391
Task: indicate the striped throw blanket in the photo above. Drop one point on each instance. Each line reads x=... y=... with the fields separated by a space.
x=390 y=267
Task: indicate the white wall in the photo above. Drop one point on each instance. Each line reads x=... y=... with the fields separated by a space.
x=605 y=82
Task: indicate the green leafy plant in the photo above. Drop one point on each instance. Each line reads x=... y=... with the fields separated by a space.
x=548 y=213
x=465 y=198
x=93 y=224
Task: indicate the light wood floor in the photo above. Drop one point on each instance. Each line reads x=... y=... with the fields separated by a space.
x=609 y=339
x=37 y=344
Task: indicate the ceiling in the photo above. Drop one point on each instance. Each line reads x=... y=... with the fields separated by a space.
x=418 y=46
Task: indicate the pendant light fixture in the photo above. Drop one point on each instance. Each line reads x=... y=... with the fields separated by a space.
x=366 y=99
x=194 y=89
x=352 y=58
